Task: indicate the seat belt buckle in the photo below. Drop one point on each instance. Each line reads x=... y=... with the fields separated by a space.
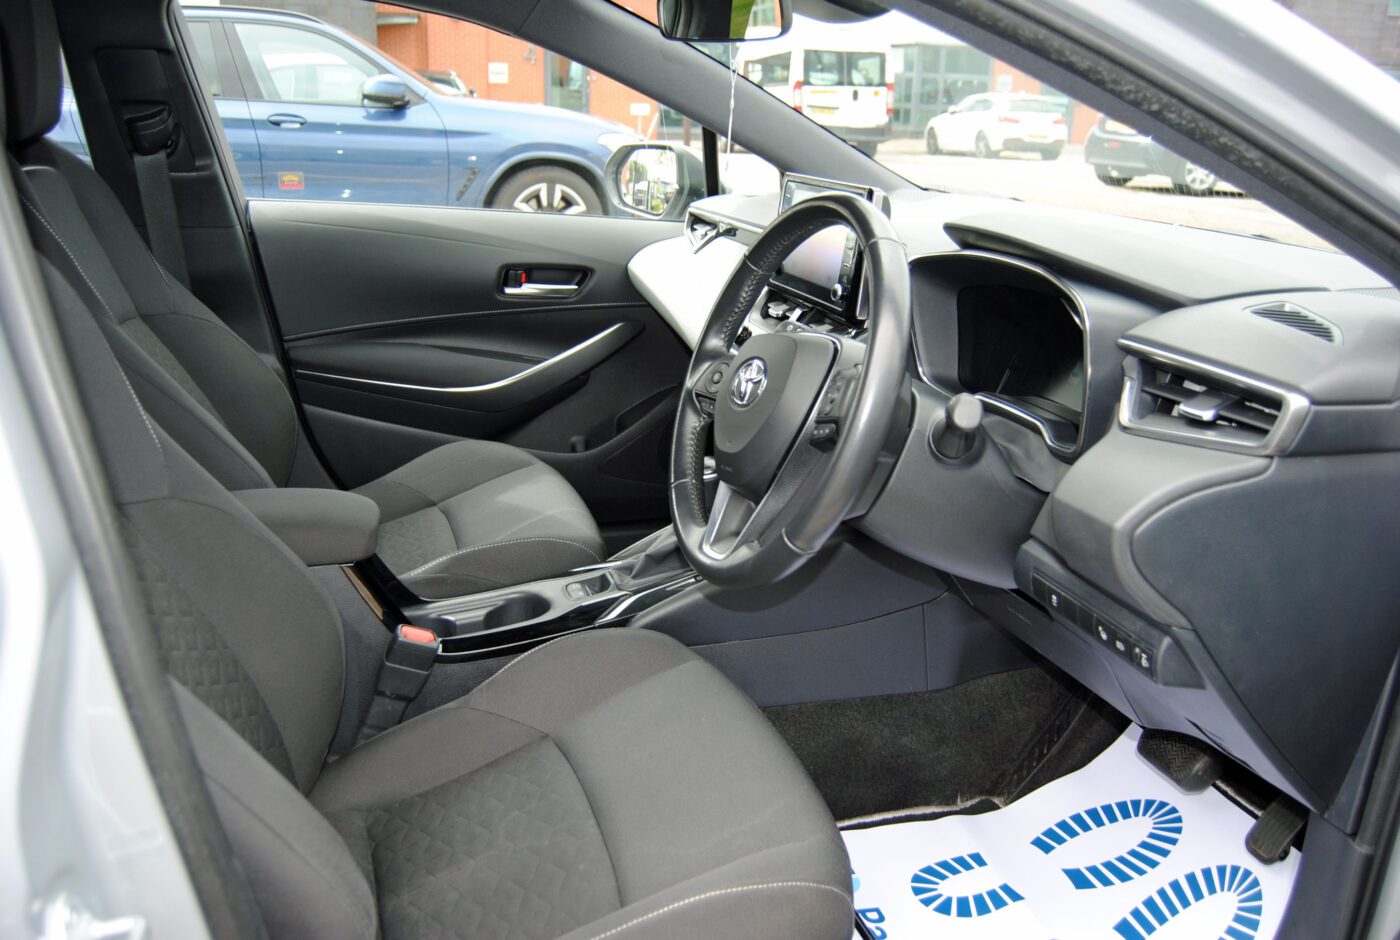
x=407 y=662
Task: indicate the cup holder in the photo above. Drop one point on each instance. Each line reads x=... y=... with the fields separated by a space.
x=517 y=608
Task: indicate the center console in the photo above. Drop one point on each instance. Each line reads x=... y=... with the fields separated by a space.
x=514 y=619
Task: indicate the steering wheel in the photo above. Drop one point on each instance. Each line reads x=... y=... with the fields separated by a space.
x=799 y=418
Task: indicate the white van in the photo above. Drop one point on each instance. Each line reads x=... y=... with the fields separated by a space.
x=843 y=86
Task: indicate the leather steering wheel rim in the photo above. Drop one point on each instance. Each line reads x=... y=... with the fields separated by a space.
x=813 y=488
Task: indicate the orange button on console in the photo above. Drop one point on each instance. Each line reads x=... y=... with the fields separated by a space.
x=417 y=634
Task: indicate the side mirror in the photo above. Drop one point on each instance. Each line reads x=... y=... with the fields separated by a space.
x=654 y=181
x=723 y=20
x=953 y=109
x=385 y=91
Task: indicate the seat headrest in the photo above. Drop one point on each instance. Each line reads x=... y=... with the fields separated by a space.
x=33 y=71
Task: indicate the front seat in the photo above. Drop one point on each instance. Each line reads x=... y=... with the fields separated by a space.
x=466 y=517
x=609 y=784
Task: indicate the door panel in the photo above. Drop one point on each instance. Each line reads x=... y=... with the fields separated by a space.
x=401 y=336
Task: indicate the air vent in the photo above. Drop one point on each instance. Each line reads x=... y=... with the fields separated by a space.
x=1205 y=404
x=1179 y=400
x=700 y=231
x=1295 y=317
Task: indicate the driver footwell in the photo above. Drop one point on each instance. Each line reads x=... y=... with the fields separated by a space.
x=976 y=745
x=1112 y=851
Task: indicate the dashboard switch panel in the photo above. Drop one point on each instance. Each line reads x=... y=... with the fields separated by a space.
x=1116 y=631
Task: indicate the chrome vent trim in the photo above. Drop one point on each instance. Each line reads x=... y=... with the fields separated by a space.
x=1174 y=397
x=701 y=228
x=1297 y=318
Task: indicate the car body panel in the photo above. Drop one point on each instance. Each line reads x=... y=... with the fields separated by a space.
x=1004 y=120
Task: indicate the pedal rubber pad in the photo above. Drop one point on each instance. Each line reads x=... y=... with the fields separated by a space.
x=1187 y=762
x=1275 y=832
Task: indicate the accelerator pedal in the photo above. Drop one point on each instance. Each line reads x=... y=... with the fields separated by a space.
x=1275 y=832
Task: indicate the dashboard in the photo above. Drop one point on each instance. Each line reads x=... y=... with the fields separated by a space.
x=1166 y=412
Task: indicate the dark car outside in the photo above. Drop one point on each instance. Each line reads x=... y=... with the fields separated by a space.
x=1119 y=154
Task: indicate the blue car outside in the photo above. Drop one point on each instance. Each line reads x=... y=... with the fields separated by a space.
x=306 y=132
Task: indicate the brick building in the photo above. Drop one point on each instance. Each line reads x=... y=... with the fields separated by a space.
x=506 y=69
x=1371 y=28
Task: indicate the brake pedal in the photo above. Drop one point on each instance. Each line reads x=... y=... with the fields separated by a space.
x=1274 y=833
x=1190 y=764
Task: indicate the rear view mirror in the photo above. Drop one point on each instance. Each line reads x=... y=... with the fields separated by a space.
x=723 y=20
x=385 y=91
x=655 y=181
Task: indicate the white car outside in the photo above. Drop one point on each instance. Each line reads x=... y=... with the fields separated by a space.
x=993 y=122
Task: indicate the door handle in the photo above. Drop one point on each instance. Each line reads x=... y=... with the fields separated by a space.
x=542 y=282
x=540 y=290
x=286 y=120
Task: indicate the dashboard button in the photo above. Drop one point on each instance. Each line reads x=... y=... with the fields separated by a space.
x=1144 y=658
x=1103 y=631
x=1122 y=644
x=1039 y=590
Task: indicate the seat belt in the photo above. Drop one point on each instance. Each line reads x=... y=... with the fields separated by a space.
x=154 y=136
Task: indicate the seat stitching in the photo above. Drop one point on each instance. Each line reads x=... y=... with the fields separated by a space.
x=132 y=392
x=597 y=823
x=432 y=503
x=71 y=257
x=92 y=287
x=721 y=892
x=497 y=674
x=462 y=551
x=335 y=884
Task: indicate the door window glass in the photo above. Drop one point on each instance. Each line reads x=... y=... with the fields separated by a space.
x=298 y=65
x=202 y=41
x=566 y=83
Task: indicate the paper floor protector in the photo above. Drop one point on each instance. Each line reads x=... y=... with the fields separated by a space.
x=1113 y=851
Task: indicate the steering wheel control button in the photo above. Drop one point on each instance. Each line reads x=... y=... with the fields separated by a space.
x=714 y=379
x=824 y=435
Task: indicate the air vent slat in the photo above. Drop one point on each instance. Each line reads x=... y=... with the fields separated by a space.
x=1296 y=318
x=1171 y=398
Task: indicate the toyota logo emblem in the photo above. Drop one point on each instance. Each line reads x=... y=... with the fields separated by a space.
x=750 y=379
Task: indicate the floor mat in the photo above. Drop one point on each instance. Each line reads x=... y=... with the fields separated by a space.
x=982 y=739
x=1112 y=851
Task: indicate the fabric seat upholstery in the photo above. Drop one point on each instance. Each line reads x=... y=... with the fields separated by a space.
x=455 y=519
x=606 y=784
x=476 y=515
x=609 y=784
